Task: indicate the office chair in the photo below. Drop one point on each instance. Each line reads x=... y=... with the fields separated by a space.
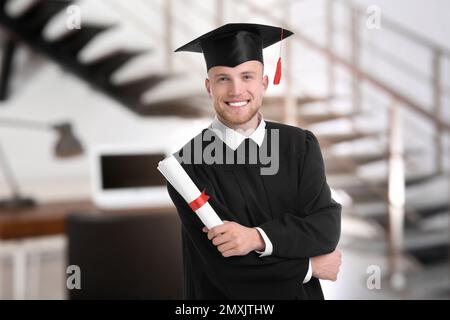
x=126 y=257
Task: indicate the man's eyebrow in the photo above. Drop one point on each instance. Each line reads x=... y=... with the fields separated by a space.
x=221 y=75
x=227 y=75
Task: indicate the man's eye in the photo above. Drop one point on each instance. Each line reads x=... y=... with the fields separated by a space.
x=248 y=77
x=223 y=79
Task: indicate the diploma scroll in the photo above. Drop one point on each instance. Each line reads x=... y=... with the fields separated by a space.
x=180 y=180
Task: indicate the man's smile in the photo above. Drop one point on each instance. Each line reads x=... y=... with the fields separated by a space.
x=237 y=103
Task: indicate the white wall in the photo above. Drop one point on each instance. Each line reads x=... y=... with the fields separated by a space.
x=52 y=95
x=428 y=18
x=42 y=91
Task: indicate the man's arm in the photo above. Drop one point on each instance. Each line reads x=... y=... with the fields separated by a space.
x=232 y=273
x=233 y=239
x=327 y=266
x=316 y=230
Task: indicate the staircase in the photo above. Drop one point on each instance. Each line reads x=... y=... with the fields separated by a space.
x=424 y=229
x=422 y=235
x=28 y=28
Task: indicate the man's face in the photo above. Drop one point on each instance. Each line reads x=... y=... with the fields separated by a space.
x=237 y=92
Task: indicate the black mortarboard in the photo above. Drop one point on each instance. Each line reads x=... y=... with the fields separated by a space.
x=236 y=43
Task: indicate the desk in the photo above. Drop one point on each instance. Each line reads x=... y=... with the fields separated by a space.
x=45 y=220
x=50 y=218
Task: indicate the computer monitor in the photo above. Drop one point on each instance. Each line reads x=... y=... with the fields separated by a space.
x=125 y=176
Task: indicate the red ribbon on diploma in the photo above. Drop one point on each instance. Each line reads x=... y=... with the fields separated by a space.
x=199 y=202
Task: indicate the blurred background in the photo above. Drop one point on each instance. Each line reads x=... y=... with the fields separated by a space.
x=92 y=97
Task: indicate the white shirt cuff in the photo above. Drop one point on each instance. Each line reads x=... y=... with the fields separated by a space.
x=309 y=273
x=269 y=247
x=268 y=251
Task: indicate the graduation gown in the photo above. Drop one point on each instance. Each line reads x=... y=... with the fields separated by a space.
x=294 y=207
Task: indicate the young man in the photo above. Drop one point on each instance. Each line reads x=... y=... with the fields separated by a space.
x=281 y=226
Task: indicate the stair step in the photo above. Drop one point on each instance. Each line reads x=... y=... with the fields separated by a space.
x=361 y=159
x=423 y=218
x=411 y=222
x=37 y=16
x=328 y=139
x=359 y=197
x=415 y=181
x=279 y=101
x=430 y=211
x=350 y=180
x=335 y=164
x=102 y=68
x=132 y=91
x=338 y=168
x=314 y=118
x=273 y=106
x=433 y=222
x=187 y=107
x=74 y=41
x=428 y=248
x=432 y=282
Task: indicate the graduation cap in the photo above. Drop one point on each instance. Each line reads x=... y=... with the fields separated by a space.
x=236 y=43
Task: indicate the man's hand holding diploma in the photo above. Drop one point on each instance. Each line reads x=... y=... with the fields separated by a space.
x=234 y=239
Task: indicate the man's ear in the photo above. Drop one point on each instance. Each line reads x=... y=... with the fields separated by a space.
x=208 y=87
x=265 y=82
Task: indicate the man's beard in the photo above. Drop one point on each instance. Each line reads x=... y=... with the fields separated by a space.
x=233 y=120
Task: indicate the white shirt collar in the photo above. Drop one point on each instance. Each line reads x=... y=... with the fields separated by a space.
x=233 y=138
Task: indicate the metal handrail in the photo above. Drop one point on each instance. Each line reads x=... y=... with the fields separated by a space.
x=137 y=21
x=400 y=30
x=389 y=57
x=387 y=22
x=146 y=27
x=357 y=72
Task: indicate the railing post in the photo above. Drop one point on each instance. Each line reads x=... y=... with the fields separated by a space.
x=396 y=196
x=437 y=106
x=290 y=98
x=355 y=58
x=330 y=46
x=219 y=12
x=7 y=65
x=168 y=30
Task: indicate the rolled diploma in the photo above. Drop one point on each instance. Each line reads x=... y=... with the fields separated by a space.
x=180 y=180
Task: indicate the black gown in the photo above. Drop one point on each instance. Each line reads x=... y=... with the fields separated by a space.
x=294 y=207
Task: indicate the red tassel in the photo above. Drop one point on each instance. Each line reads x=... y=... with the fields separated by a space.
x=277 y=78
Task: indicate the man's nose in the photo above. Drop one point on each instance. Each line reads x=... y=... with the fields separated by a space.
x=236 y=88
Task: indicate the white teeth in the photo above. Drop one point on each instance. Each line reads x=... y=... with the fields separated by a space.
x=237 y=104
